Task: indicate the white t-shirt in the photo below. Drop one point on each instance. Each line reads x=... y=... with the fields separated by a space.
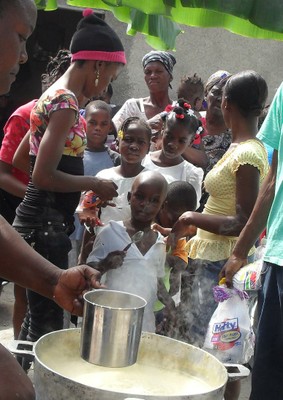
x=184 y=171
x=122 y=211
x=139 y=273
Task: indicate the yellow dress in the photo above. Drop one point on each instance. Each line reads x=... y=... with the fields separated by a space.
x=220 y=183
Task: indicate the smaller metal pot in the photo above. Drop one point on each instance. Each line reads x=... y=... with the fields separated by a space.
x=111 y=329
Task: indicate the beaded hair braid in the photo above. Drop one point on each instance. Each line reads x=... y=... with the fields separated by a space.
x=184 y=113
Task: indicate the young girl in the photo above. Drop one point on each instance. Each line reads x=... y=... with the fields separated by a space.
x=134 y=141
x=57 y=141
x=233 y=186
x=180 y=127
x=137 y=269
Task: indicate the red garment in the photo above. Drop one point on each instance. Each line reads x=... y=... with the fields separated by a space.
x=15 y=129
x=199 y=136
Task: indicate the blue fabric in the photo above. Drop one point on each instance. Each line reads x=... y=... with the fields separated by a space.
x=269 y=150
x=267 y=373
x=271 y=133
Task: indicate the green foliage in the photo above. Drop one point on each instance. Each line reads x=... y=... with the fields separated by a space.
x=159 y=20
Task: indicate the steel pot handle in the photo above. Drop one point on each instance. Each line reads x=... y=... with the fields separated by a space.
x=236 y=372
x=22 y=348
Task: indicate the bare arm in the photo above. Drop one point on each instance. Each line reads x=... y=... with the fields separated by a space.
x=176 y=262
x=254 y=226
x=163 y=295
x=9 y=183
x=247 y=184
x=46 y=176
x=21 y=157
x=113 y=260
x=24 y=266
x=197 y=157
x=14 y=382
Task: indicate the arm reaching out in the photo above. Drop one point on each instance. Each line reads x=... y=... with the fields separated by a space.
x=113 y=260
x=24 y=266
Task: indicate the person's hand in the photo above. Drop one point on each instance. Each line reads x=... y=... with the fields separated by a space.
x=72 y=284
x=114 y=260
x=159 y=228
x=105 y=189
x=232 y=266
x=89 y=216
x=169 y=321
x=156 y=123
x=180 y=229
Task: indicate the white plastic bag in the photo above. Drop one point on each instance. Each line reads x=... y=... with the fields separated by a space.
x=230 y=336
x=249 y=276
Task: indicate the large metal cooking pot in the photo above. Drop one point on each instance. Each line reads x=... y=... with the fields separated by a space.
x=61 y=373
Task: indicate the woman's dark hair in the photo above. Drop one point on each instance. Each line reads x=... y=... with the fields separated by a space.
x=248 y=91
x=136 y=120
x=183 y=113
x=56 y=67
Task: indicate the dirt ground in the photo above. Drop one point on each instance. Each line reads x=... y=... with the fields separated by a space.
x=6 y=331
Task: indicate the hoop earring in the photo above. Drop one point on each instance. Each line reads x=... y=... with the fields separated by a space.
x=97 y=79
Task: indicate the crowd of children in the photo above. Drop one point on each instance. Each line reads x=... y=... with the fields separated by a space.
x=172 y=160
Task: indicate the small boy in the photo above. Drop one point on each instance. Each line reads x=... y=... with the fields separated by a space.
x=181 y=197
x=97 y=155
x=191 y=88
x=137 y=269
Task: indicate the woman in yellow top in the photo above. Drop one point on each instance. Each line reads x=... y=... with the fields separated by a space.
x=233 y=186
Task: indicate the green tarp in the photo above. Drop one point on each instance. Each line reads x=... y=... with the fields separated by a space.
x=159 y=19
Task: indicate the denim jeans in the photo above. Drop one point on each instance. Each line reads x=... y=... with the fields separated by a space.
x=267 y=373
x=44 y=315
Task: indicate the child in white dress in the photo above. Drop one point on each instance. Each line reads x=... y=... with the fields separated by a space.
x=180 y=128
x=137 y=269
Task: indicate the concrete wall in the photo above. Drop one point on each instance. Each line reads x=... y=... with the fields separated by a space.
x=203 y=51
x=197 y=50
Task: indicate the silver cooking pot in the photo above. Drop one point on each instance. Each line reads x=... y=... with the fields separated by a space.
x=165 y=369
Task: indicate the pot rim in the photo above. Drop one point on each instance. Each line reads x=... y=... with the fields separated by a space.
x=41 y=364
x=105 y=306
